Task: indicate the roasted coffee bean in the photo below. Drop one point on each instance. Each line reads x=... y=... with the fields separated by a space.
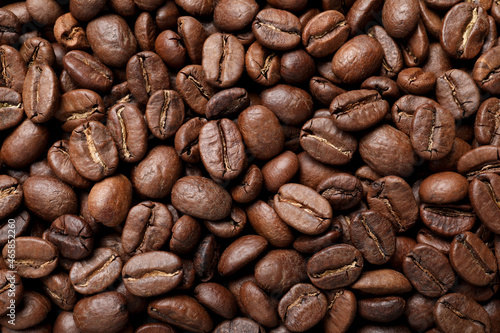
x=372 y=234
x=302 y=307
x=79 y=106
x=152 y=273
x=400 y=18
x=485 y=126
x=311 y=244
x=126 y=125
x=24 y=145
x=262 y=65
x=193 y=35
x=186 y=234
x=403 y=111
x=169 y=47
x=438 y=60
x=145 y=31
x=217 y=298
x=485 y=71
x=436 y=189
x=376 y=282
x=146 y=74
x=472 y=259
x=261 y=132
x=427 y=237
x=483 y=194
x=49 y=198
x=297 y=67
x=323 y=90
x=359 y=13
x=221 y=149
x=276 y=29
x=336 y=266
x=60 y=291
x=227 y=103
x=11 y=291
x=357 y=59
x=386 y=87
x=182 y=311
x=72 y=235
x=87 y=71
x=229 y=227
x=186 y=139
x=147 y=228
x=69 y=33
x=93 y=151
x=343 y=191
x=111 y=40
x=37 y=51
x=392 y=62
x=18 y=222
x=11 y=27
x=415 y=81
x=447 y=220
x=484 y=159
x=458 y=312
x=325 y=142
x=473 y=22
x=35 y=309
x=34 y=257
x=11 y=195
x=13 y=68
x=241 y=252
x=418 y=312
x=433 y=132
x=60 y=163
x=95 y=273
x=456 y=92
x=105 y=311
x=357 y=110
x=206 y=258
x=239 y=324
x=341 y=310
x=429 y=271
x=40 y=93
x=416 y=47
x=193 y=88
x=11 y=108
x=292 y=105
x=258 y=305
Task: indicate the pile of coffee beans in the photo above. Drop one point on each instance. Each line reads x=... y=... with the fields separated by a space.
x=239 y=166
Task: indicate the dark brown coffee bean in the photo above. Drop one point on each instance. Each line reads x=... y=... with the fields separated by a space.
x=261 y=132
x=229 y=227
x=13 y=68
x=49 y=198
x=262 y=65
x=206 y=258
x=87 y=71
x=436 y=189
x=104 y=311
x=24 y=145
x=146 y=74
x=221 y=149
x=276 y=29
x=186 y=234
x=372 y=234
x=279 y=270
x=60 y=163
x=367 y=54
x=415 y=81
x=386 y=87
x=403 y=111
x=359 y=13
x=427 y=237
x=79 y=106
x=258 y=305
x=418 y=312
x=227 y=103
x=381 y=309
x=472 y=21
x=85 y=11
x=18 y=222
x=233 y=16
x=169 y=47
x=302 y=307
x=341 y=310
x=392 y=197
x=12 y=290
x=95 y=273
x=156 y=174
x=239 y=324
x=292 y=105
x=93 y=151
x=60 y=291
x=447 y=220
x=193 y=88
x=37 y=51
x=11 y=108
x=485 y=73
x=416 y=47
x=433 y=132
x=127 y=126
x=33 y=257
x=34 y=310
x=11 y=27
x=323 y=90
x=40 y=93
x=456 y=91
x=376 y=282
x=44 y=12
x=400 y=18
x=343 y=191
x=325 y=142
x=182 y=311
x=145 y=31
x=482 y=159
x=297 y=67
x=280 y=170
x=72 y=235
x=147 y=228
x=472 y=259
x=485 y=126
x=335 y=266
x=186 y=139
x=11 y=195
x=392 y=62
x=152 y=273
x=216 y=298
x=429 y=271
x=358 y=109
x=483 y=194
x=456 y=311
x=240 y=253
x=111 y=40
x=193 y=35
x=438 y=60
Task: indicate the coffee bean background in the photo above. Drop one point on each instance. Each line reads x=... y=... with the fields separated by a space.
x=237 y=166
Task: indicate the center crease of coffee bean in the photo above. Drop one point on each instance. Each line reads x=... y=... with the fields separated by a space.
x=123 y=131
x=372 y=235
x=94 y=154
x=145 y=75
x=301 y=206
x=325 y=141
x=198 y=86
x=222 y=57
x=267 y=64
x=335 y=297
x=272 y=27
x=491 y=193
x=299 y=301
x=461 y=315
x=468 y=29
x=323 y=34
x=154 y=273
x=427 y=272
x=32 y=263
x=454 y=94
x=344 y=268
x=8 y=191
x=163 y=114
x=475 y=257
x=86 y=281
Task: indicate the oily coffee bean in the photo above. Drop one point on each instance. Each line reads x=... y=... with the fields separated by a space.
x=297 y=67
x=381 y=309
x=416 y=47
x=456 y=92
x=87 y=71
x=429 y=271
x=472 y=259
x=343 y=191
x=147 y=228
x=303 y=209
x=292 y=105
x=435 y=189
x=206 y=257
x=392 y=62
x=447 y=220
x=415 y=81
x=221 y=149
x=359 y=14
x=217 y=298
x=302 y=307
x=223 y=60
x=60 y=291
x=69 y=33
x=341 y=310
x=145 y=32
x=457 y=311
x=323 y=90
x=241 y=252
x=485 y=74
x=11 y=195
x=400 y=18
x=262 y=65
x=72 y=235
x=146 y=74
x=372 y=234
x=78 y=107
x=93 y=151
x=472 y=21
x=11 y=108
x=358 y=110
x=386 y=87
x=152 y=273
x=485 y=126
x=483 y=159
x=186 y=139
x=194 y=88
x=186 y=234
x=105 y=311
x=40 y=93
x=334 y=267
x=11 y=27
x=60 y=163
x=312 y=244
x=97 y=272
x=229 y=227
x=403 y=111
x=483 y=193
x=227 y=102
x=35 y=309
x=325 y=142
x=276 y=29
x=169 y=47
x=433 y=131
x=375 y=282
x=233 y=16
x=34 y=257
x=279 y=171
x=258 y=305
x=193 y=36
x=126 y=125
x=13 y=68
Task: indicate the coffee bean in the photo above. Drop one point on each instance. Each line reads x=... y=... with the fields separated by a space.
x=241 y=252
x=60 y=291
x=78 y=107
x=37 y=51
x=11 y=195
x=416 y=47
x=343 y=191
x=217 y=298
x=206 y=258
x=376 y=282
x=35 y=309
x=12 y=289
x=483 y=159
x=292 y=105
x=193 y=35
x=276 y=29
x=262 y=65
x=392 y=62
x=279 y=171
x=484 y=72
x=447 y=220
x=193 y=88
x=400 y=18
x=434 y=189
x=34 y=257
x=11 y=108
x=456 y=311
x=227 y=102
x=40 y=93
x=415 y=81
x=233 y=16
x=341 y=310
x=107 y=311
x=186 y=234
x=483 y=193
x=60 y=163
x=72 y=235
x=145 y=31
x=456 y=92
